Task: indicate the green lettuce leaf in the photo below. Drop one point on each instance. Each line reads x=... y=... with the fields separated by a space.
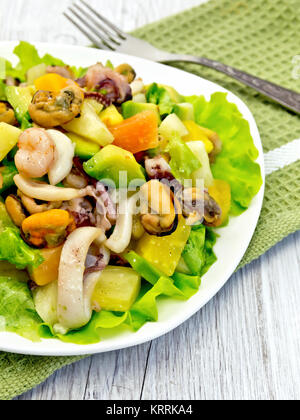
x=109 y=64
x=198 y=253
x=145 y=309
x=17 y=312
x=2 y=91
x=8 y=173
x=49 y=60
x=179 y=286
x=9 y=270
x=14 y=250
x=12 y=247
x=236 y=163
x=160 y=96
x=29 y=57
x=187 y=284
x=183 y=161
x=210 y=256
x=92 y=332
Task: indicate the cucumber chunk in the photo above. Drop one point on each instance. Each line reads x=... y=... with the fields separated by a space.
x=45 y=302
x=205 y=173
x=172 y=125
x=20 y=98
x=36 y=72
x=185 y=111
x=90 y=126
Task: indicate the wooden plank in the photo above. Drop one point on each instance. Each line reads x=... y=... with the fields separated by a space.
x=115 y=375
x=121 y=380
x=281 y=295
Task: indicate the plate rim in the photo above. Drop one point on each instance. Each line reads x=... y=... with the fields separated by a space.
x=81 y=350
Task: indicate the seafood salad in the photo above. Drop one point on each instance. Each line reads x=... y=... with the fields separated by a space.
x=113 y=192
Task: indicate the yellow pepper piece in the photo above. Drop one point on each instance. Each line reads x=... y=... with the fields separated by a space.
x=209 y=133
x=165 y=252
x=111 y=116
x=51 y=82
x=117 y=288
x=197 y=133
x=47 y=272
x=9 y=137
x=220 y=191
x=49 y=228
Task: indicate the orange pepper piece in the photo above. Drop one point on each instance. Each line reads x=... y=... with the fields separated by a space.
x=47 y=272
x=138 y=133
x=51 y=82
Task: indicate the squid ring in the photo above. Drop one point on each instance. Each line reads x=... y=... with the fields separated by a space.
x=120 y=239
x=74 y=307
x=45 y=192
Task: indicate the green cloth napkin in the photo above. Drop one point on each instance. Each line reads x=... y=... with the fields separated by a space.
x=257 y=36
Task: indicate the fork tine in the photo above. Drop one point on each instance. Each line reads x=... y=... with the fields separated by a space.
x=103 y=38
x=121 y=34
x=87 y=34
x=97 y=24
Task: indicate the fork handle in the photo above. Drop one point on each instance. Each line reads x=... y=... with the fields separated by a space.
x=286 y=97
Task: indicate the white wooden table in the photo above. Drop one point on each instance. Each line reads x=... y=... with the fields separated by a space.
x=244 y=344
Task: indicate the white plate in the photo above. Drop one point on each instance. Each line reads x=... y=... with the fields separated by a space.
x=230 y=248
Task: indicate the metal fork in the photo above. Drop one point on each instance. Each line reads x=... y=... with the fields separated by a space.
x=105 y=35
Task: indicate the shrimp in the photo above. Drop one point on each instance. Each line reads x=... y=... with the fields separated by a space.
x=36 y=153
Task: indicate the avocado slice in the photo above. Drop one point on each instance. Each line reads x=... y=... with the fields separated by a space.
x=185 y=111
x=175 y=96
x=84 y=148
x=110 y=161
x=130 y=109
